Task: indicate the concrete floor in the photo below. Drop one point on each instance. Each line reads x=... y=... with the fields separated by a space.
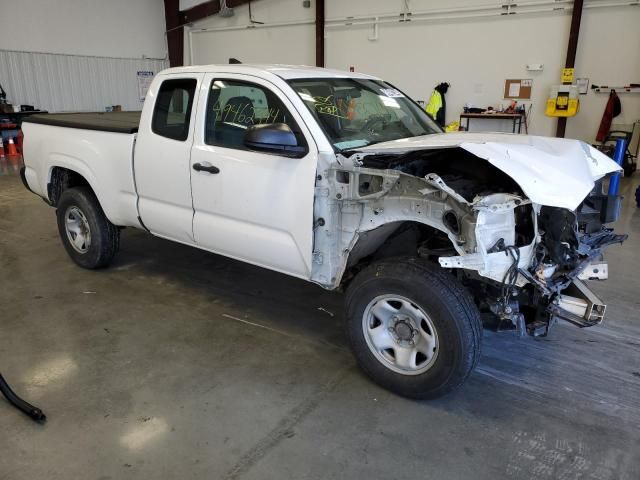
x=176 y=363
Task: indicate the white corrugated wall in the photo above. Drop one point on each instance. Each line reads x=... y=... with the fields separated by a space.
x=65 y=83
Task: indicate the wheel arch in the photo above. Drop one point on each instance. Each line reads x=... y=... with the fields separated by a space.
x=401 y=238
x=72 y=173
x=62 y=178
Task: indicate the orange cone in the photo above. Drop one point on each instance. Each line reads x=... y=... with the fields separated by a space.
x=11 y=148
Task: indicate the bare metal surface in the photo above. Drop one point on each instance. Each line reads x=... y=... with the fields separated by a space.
x=176 y=363
x=350 y=214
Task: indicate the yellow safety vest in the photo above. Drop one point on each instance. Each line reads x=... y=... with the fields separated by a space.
x=435 y=104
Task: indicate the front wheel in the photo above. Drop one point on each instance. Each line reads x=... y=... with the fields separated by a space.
x=413 y=328
x=89 y=238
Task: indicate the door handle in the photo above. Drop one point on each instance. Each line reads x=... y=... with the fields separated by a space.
x=198 y=167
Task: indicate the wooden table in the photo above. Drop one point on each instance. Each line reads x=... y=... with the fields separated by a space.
x=515 y=117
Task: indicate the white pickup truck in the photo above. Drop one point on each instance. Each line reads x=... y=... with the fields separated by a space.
x=342 y=180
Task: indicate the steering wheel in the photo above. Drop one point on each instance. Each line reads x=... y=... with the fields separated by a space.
x=374 y=120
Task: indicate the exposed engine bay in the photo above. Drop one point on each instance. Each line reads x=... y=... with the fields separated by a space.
x=523 y=261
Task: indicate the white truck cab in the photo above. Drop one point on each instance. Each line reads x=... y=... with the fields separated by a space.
x=340 y=179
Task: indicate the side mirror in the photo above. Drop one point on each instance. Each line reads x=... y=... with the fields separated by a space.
x=276 y=138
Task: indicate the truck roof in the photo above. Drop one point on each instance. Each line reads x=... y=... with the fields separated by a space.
x=127 y=122
x=287 y=72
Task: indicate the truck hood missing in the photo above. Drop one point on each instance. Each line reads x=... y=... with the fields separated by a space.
x=555 y=172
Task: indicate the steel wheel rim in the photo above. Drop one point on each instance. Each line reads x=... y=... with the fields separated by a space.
x=77 y=228
x=400 y=334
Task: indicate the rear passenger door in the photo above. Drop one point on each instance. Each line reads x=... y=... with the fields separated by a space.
x=257 y=207
x=162 y=156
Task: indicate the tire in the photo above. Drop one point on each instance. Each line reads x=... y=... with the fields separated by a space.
x=445 y=325
x=80 y=217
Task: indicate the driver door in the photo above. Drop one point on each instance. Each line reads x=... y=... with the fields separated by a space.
x=249 y=205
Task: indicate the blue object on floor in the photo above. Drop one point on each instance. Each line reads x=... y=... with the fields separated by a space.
x=618 y=157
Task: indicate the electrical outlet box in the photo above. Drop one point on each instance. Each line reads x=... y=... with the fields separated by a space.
x=306 y=3
x=535 y=67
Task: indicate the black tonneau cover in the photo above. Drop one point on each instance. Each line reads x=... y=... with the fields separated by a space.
x=119 y=122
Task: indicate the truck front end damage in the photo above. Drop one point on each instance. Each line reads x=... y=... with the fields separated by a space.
x=520 y=243
x=541 y=281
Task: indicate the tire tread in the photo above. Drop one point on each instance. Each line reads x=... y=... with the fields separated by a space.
x=108 y=235
x=446 y=286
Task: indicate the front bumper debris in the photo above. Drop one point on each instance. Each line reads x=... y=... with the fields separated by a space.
x=595 y=271
x=578 y=305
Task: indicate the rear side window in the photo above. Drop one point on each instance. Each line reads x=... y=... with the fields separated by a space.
x=172 y=113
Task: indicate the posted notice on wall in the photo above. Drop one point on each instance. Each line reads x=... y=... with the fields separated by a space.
x=144 y=82
x=514 y=90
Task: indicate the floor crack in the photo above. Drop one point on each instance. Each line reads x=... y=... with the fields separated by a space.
x=284 y=427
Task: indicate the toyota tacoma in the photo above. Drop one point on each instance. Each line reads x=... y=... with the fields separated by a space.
x=342 y=180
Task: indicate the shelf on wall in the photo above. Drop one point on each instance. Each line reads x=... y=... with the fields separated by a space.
x=606 y=89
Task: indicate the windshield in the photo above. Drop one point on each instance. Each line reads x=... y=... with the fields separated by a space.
x=358 y=112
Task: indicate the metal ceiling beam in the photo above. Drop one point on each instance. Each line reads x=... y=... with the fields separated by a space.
x=174 y=32
x=203 y=10
x=237 y=3
x=175 y=20
x=572 y=48
x=206 y=9
x=320 y=10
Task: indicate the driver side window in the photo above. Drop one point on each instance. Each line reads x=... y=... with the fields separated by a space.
x=234 y=106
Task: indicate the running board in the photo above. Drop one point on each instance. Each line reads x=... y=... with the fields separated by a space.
x=578 y=305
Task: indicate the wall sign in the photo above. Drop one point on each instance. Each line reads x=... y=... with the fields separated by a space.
x=567 y=75
x=144 y=82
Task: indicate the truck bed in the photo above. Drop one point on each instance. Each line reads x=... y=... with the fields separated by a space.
x=119 y=122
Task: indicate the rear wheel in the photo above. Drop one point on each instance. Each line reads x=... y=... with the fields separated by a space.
x=413 y=328
x=89 y=238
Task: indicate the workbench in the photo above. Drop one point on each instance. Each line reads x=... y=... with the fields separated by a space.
x=517 y=119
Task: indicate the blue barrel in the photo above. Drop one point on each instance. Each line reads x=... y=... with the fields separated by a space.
x=618 y=157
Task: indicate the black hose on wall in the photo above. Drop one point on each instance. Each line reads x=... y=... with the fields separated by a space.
x=33 y=412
